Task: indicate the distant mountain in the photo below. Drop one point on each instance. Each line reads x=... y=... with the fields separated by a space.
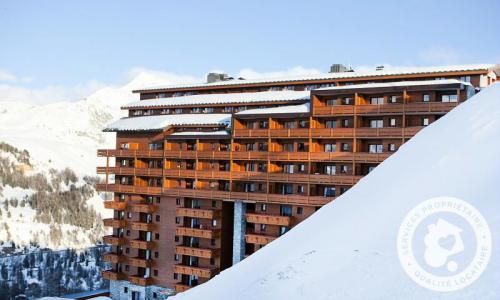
x=348 y=249
x=48 y=156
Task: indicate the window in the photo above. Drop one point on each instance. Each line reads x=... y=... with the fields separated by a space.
x=214 y=223
x=289 y=124
x=331 y=124
x=348 y=101
x=300 y=189
x=155 y=273
x=288 y=169
x=330 y=170
x=376 y=123
x=329 y=191
x=178 y=110
x=425 y=121
x=283 y=230
x=288 y=147
x=127 y=233
x=377 y=100
x=156 y=254
x=371 y=168
x=330 y=147
x=177 y=220
x=157 y=217
x=301 y=147
x=175 y=276
x=331 y=102
x=303 y=124
x=157 y=236
x=449 y=98
x=392 y=122
x=264 y=124
x=343 y=169
x=178 y=201
x=393 y=99
x=196 y=110
x=465 y=78
x=250 y=147
x=176 y=238
x=263 y=227
x=426 y=98
x=392 y=147
x=301 y=167
x=345 y=147
x=249 y=187
x=214 y=204
x=212 y=261
x=127 y=250
x=208 y=110
x=345 y=123
x=287 y=189
x=263 y=207
x=212 y=242
x=176 y=257
x=127 y=267
x=299 y=210
x=375 y=148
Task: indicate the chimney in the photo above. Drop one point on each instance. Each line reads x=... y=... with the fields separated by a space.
x=339 y=68
x=215 y=77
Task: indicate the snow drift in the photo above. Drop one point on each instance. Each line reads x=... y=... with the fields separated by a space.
x=347 y=250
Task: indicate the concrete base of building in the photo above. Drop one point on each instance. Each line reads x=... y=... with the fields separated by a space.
x=239 y=231
x=124 y=290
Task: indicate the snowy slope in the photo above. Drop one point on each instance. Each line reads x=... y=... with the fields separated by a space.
x=59 y=135
x=348 y=249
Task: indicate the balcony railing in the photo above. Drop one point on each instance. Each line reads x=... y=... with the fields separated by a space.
x=116 y=205
x=196 y=271
x=142 y=226
x=143 y=207
x=114 y=240
x=120 y=188
x=390 y=108
x=115 y=223
x=258 y=239
x=140 y=262
x=144 y=245
x=268 y=219
x=197 y=213
x=199 y=233
x=139 y=280
x=113 y=275
x=276 y=133
x=113 y=258
x=197 y=252
x=179 y=287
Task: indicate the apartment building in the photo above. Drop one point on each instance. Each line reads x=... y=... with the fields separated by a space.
x=204 y=175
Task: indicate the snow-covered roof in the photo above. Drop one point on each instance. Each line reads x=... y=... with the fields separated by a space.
x=273 y=96
x=340 y=75
x=159 y=122
x=287 y=109
x=198 y=133
x=394 y=84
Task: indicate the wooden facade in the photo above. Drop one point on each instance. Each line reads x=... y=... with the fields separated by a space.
x=174 y=195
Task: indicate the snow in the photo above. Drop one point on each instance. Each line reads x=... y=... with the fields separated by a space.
x=397 y=84
x=286 y=109
x=385 y=72
x=159 y=122
x=201 y=133
x=348 y=250
x=223 y=98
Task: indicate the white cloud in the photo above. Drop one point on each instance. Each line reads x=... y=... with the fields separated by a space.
x=7 y=76
x=439 y=55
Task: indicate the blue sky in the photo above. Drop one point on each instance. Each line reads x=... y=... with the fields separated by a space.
x=70 y=43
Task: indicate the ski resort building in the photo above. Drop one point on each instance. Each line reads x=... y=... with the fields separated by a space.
x=204 y=175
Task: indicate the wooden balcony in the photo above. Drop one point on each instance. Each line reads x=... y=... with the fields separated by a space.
x=116 y=205
x=429 y=107
x=179 y=287
x=140 y=262
x=199 y=233
x=196 y=271
x=261 y=197
x=250 y=155
x=142 y=226
x=214 y=155
x=154 y=172
x=334 y=110
x=249 y=175
x=128 y=189
x=114 y=240
x=332 y=132
x=268 y=219
x=143 y=208
x=370 y=109
x=139 y=280
x=112 y=275
x=113 y=258
x=115 y=223
x=197 y=252
x=258 y=239
x=186 y=154
x=144 y=245
x=197 y=213
x=129 y=153
x=275 y=133
x=387 y=132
